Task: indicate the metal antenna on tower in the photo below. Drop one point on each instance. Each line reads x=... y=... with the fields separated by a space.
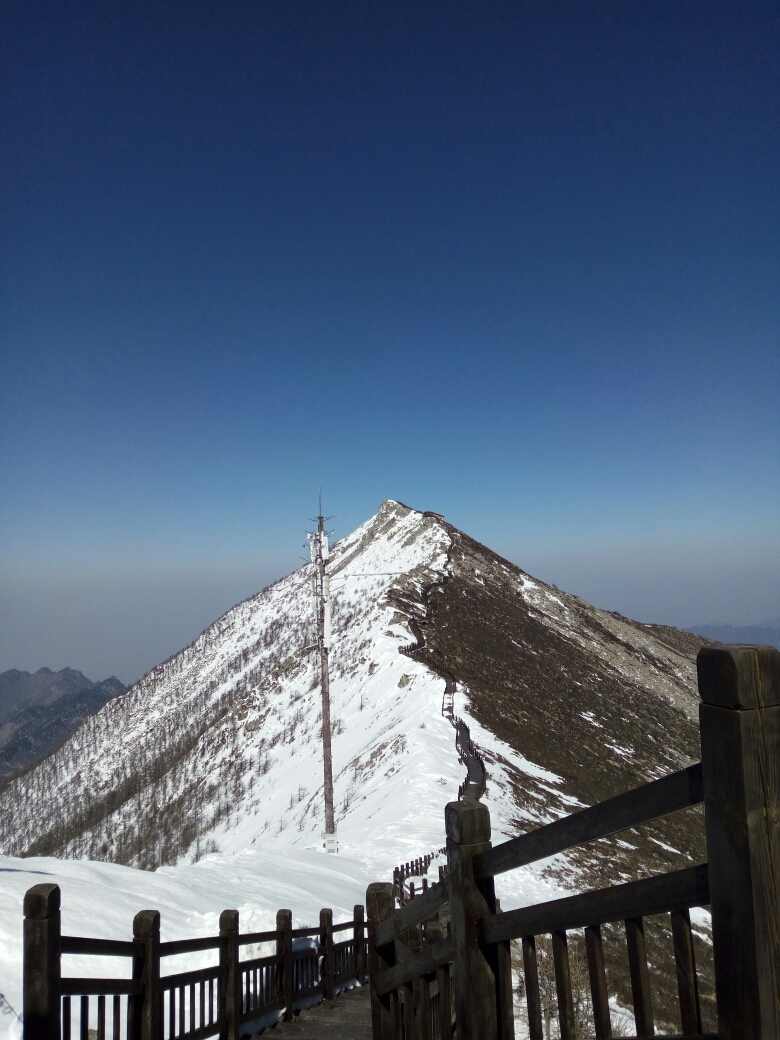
x=320 y=587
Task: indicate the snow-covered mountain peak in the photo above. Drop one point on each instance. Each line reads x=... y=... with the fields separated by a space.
x=224 y=736
x=567 y=703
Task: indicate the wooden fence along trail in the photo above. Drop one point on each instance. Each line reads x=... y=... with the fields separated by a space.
x=439 y=964
x=233 y=998
x=426 y=984
x=475 y=784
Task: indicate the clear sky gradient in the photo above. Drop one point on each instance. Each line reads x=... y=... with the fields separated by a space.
x=515 y=262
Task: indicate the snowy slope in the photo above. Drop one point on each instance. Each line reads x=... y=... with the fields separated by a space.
x=226 y=733
x=227 y=730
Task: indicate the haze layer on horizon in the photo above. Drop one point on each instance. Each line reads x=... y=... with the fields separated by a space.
x=514 y=263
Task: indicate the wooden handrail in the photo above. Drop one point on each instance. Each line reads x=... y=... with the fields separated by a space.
x=257 y=937
x=411 y=914
x=641 y=805
x=100 y=947
x=425 y=962
x=99 y=987
x=659 y=894
x=187 y=978
x=177 y=946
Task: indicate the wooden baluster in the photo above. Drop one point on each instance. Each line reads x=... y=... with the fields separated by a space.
x=598 y=982
x=407 y=1010
x=359 y=943
x=171 y=1014
x=326 y=945
x=563 y=985
x=84 y=1023
x=202 y=1008
x=532 y=996
x=66 y=1018
x=445 y=1003
x=505 y=1000
x=640 y=979
x=284 y=950
x=116 y=1018
x=687 y=987
x=182 y=1011
x=380 y=903
x=101 y=1018
x=422 y=1001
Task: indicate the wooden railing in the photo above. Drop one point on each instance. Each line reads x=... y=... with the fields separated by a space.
x=738 y=780
x=231 y=998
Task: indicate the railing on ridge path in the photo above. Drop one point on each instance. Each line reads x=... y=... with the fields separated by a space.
x=229 y=998
x=738 y=780
x=468 y=751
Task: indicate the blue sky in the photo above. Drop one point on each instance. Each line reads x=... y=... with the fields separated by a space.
x=514 y=262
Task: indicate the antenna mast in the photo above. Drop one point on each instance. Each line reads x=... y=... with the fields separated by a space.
x=320 y=587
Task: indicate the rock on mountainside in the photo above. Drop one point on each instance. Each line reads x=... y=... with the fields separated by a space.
x=568 y=704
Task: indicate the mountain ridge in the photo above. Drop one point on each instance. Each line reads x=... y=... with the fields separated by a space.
x=568 y=704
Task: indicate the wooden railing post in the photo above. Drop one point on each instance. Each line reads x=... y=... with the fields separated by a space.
x=230 y=991
x=285 y=970
x=478 y=975
x=41 y=970
x=147 y=1006
x=740 y=740
x=380 y=903
x=326 y=948
x=359 y=943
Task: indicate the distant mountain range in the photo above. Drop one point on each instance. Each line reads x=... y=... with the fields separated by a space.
x=765 y=634
x=39 y=710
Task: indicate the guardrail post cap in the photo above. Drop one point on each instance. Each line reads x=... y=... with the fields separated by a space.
x=740 y=677
x=228 y=922
x=146 y=924
x=41 y=901
x=467 y=823
x=380 y=900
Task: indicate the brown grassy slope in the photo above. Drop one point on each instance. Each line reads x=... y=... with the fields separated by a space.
x=531 y=679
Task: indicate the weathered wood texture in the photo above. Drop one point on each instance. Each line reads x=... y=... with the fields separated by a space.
x=468 y=834
x=380 y=901
x=655 y=895
x=740 y=735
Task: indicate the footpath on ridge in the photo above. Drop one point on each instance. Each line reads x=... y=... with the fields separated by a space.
x=473 y=787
